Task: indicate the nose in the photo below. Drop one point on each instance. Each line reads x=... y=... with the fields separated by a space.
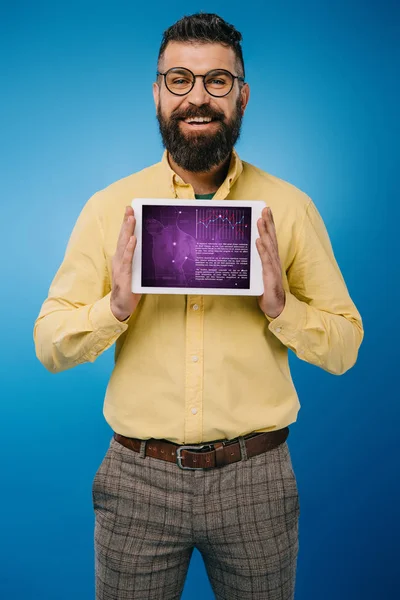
x=198 y=95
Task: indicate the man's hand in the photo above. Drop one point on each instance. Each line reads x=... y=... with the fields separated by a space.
x=272 y=301
x=123 y=302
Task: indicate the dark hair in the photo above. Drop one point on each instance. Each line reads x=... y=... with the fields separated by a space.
x=204 y=28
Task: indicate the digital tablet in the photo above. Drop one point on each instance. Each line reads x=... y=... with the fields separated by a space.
x=197 y=247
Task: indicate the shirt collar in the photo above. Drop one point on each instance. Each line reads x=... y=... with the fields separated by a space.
x=180 y=189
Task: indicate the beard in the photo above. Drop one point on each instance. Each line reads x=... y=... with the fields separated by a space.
x=200 y=151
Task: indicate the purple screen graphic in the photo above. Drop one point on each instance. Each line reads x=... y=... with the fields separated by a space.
x=188 y=246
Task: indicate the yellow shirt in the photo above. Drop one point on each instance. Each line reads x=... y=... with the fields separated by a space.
x=196 y=368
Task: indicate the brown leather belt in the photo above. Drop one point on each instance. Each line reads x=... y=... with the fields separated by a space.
x=209 y=454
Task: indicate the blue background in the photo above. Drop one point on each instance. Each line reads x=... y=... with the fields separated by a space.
x=77 y=114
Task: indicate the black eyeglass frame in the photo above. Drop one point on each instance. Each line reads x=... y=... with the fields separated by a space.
x=204 y=84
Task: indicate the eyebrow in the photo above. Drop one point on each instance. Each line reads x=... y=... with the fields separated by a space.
x=178 y=69
x=217 y=69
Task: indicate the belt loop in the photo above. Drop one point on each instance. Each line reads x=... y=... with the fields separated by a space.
x=243 y=449
x=142 y=451
x=219 y=454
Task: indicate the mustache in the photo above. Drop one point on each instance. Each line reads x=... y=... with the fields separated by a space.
x=197 y=112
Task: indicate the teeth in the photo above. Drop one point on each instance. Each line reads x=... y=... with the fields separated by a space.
x=198 y=120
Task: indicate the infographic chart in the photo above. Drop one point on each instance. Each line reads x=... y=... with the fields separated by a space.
x=187 y=246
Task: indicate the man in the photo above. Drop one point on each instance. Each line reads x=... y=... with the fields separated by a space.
x=198 y=370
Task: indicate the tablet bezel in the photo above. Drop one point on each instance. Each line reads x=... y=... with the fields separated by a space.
x=256 y=281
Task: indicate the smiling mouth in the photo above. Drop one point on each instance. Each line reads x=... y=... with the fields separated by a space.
x=199 y=122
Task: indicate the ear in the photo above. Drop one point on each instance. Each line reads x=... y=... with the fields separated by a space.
x=156 y=93
x=244 y=96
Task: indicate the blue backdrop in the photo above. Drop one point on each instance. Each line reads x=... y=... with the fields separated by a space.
x=76 y=114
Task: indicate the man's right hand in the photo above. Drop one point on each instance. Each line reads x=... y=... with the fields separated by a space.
x=123 y=301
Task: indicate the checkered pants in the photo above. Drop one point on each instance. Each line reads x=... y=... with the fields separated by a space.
x=150 y=514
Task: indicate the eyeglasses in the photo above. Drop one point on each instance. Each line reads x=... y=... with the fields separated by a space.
x=218 y=82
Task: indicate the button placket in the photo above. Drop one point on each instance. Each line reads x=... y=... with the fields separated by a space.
x=194 y=368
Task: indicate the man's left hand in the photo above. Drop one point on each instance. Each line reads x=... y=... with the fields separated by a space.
x=272 y=302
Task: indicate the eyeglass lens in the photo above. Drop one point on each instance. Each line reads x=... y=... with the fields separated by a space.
x=181 y=81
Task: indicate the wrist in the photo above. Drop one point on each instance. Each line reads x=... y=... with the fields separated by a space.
x=118 y=314
x=122 y=318
x=273 y=314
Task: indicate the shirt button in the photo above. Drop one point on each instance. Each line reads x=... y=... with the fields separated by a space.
x=194 y=411
x=195 y=358
x=195 y=306
x=278 y=329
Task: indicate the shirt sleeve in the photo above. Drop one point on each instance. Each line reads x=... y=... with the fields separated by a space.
x=319 y=322
x=75 y=323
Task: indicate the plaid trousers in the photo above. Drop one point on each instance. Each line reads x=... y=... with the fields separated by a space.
x=150 y=514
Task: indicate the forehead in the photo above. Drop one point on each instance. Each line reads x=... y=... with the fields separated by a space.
x=199 y=58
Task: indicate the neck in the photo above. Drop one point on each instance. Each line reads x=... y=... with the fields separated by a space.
x=205 y=182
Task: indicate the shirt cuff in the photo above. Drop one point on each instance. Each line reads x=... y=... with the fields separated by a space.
x=103 y=319
x=291 y=320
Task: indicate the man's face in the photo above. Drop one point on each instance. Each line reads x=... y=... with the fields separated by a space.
x=199 y=147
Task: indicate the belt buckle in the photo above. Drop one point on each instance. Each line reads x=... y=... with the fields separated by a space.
x=179 y=456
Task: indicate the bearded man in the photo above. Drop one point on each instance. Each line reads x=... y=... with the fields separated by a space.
x=200 y=398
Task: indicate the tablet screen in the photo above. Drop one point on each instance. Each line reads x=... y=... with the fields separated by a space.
x=190 y=246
